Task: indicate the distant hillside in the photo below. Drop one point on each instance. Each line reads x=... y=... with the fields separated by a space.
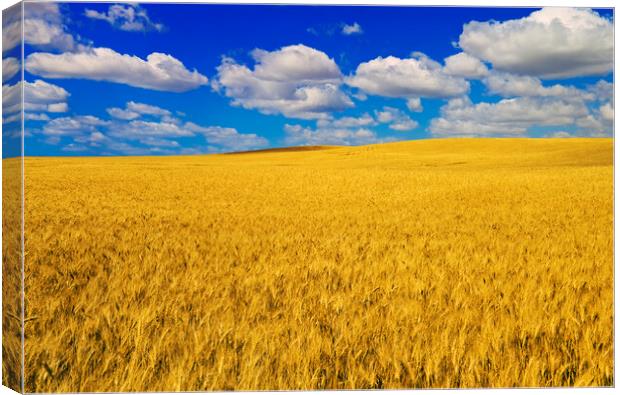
x=285 y=149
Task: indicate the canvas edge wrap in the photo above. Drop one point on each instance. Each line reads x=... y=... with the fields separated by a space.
x=13 y=206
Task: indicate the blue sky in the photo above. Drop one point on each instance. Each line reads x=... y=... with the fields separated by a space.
x=158 y=79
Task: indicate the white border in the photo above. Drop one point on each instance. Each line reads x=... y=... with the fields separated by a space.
x=446 y=3
x=480 y=3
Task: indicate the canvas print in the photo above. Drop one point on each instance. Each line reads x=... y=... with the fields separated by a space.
x=202 y=197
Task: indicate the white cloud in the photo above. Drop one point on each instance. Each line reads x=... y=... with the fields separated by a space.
x=331 y=29
x=354 y=28
x=43 y=96
x=396 y=119
x=607 y=112
x=36 y=116
x=120 y=113
x=39 y=96
x=549 y=43
x=590 y=122
x=603 y=91
x=131 y=18
x=128 y=149
x=52 y=140
x=11 y=98
x=134 y=110
x=418 y=76
x=43 y=27
x=11 y=27
x=560 y=134
x=228 y=138
x=147 y=109
x=73 y=126
x=54 y=107
x=71 y=147
x=297 y=63
x=296 y=81
x=510 y=85
x=360 y=95
x=46 y=35
x=160 y=134
x=460 y=117
x=599 y=122
x=157 y=142
x=138 y=129
x=404 y=125
x=120 y=135
x=415 y=104
x=299 y=135
x=349 y=130
x=464 y=65
x=93 y=139
x=348 y=122
x=10 y=67
x=159 y=71
x=11 y=118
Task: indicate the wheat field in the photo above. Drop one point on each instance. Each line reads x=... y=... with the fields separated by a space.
x=11 y=273
x=432 y=263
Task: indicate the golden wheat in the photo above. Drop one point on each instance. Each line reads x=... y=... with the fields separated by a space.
x=11 y=273
x=446 y=263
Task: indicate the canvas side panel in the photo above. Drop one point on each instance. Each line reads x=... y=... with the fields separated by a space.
x=12 y=319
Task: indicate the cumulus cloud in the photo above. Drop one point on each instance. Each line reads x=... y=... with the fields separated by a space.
x=93 y=139
x=550 y=43
x=11 y=118
x=607 y=112
x=349 y=130
x=354 y=28
x=43 y=96
x=465 y=65
x=11 y=98
x=53 y=140
x=560 y=134
x=120 y=113
x=228 y=138
x=348 y=122
x=299 y=135
x=590 y=121
x=10 y=67
x=159 y=137
x=39 y=96
x=11 y=27
x=510 y=85
x=36 y=116
x=134 y=110
x=140 y=129
x=599 y=122
x=396 y=119
x=295 y=63
x=43 y=28
x=330 y=29
x=508 y=117
x=359 y=95
x=72 y=147
x=418 y=76
x=156 y=142
x=147 y=109
x=415 y=104
x=73 y=126
x=159 y=71
x=131 y=18
x=603 y=91
x=296 y=81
